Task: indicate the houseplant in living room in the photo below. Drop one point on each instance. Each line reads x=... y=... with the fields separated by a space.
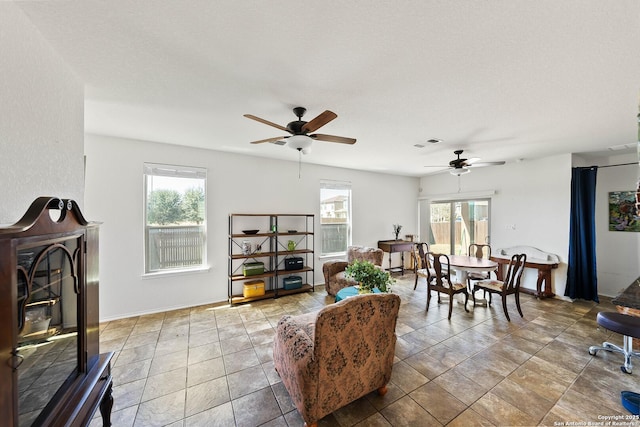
x=369 y=277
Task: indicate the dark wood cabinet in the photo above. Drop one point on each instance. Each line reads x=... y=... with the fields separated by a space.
x=51 y=372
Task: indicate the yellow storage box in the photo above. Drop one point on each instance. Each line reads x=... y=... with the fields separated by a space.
x=253 y=288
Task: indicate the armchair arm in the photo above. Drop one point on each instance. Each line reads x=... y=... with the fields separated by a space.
x=294 y=360
x=330 y=268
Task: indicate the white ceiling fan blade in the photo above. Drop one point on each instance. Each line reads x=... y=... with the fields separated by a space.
x=482 y=164
x=472 y=160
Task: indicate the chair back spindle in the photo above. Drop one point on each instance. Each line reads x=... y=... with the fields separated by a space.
x=514 y=272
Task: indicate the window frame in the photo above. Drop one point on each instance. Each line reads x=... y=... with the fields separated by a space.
x=339 y=186
x=173 y=171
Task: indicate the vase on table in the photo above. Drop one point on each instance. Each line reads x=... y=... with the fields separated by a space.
x=396 y=230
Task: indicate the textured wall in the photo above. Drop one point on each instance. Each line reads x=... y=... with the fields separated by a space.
x=41 y=119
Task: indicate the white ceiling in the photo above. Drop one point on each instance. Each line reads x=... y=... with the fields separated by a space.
x=503 y=80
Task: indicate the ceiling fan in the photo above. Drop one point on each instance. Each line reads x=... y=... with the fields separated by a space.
x=299 y=138
x=460 y=166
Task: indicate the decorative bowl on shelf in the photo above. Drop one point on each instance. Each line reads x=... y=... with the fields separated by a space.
x=292 y=231
x=250 y=231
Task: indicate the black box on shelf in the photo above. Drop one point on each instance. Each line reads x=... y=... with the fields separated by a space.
x=292 y=282
x=293 y=263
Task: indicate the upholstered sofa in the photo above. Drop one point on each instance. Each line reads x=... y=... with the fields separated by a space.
x=333 y=270
x=331 y=358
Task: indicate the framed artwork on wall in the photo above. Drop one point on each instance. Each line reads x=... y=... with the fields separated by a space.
x=623 y=215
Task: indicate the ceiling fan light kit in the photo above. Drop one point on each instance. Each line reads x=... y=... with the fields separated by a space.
x=300 y=143
x=459 y=171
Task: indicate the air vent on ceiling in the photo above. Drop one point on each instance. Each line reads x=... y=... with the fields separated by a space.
x=430 y=141
x=623 y=147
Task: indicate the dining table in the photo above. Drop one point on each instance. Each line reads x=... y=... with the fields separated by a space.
x=464 y=264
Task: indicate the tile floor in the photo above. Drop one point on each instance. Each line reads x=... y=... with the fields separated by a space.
x=212 y=366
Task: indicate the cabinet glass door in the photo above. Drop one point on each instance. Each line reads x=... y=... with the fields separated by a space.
x=47 y=343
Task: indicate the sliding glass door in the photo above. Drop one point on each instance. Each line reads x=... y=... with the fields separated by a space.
x=454 y=225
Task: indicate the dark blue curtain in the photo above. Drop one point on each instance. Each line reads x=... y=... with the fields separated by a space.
x=582 y=278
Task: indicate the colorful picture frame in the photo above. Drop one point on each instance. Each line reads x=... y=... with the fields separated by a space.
x=623 y=215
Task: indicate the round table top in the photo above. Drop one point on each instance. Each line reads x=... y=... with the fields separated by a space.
x=465 y=261
x=350 y=291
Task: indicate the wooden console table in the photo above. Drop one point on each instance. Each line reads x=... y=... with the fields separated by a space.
x=391 y=246
x=543 y=285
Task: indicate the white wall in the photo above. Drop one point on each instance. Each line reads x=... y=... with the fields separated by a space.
x=235 y=184
x=618 y=252
x=534 y=196
x=41 y=119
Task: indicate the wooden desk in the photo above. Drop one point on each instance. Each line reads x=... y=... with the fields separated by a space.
x=544 y=275
x=391 y=246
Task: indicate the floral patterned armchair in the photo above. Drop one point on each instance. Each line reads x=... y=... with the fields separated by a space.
x=333 y=271
x=328 y=359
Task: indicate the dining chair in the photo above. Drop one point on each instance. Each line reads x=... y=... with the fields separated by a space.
x=439 y=280
x=510 y=285
x=421 y=264
x=479 y=251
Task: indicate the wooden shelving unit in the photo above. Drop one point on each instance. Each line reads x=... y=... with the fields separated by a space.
x=270 y=246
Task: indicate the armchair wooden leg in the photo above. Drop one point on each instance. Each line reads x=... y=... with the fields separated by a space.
x=382 y=390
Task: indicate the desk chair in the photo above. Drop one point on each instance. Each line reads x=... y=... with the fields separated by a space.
x=624 y=324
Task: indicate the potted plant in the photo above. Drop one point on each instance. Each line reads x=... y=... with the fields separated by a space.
x=368 y=277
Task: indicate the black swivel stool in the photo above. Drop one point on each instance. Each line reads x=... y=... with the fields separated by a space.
x=624 y=324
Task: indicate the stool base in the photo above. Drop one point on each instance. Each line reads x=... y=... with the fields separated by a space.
x=627 y=350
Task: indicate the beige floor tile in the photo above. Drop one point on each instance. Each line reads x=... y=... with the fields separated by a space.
x=406 y=412
x=204 y=371
x=407 y=378
x=161 y=411
x=164 y=383
x=207 y=395
x=501 y=412
x=438 y=402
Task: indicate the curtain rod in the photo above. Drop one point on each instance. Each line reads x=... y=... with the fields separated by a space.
x=619 y=164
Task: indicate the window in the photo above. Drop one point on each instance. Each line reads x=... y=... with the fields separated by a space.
x=457 y=224
x=175 y=218
x=335 y=217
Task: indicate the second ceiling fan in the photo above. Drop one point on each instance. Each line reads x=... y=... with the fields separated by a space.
x=459 y=166
x=301 y=135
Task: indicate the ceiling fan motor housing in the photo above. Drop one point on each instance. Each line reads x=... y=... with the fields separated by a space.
x=295 y=127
